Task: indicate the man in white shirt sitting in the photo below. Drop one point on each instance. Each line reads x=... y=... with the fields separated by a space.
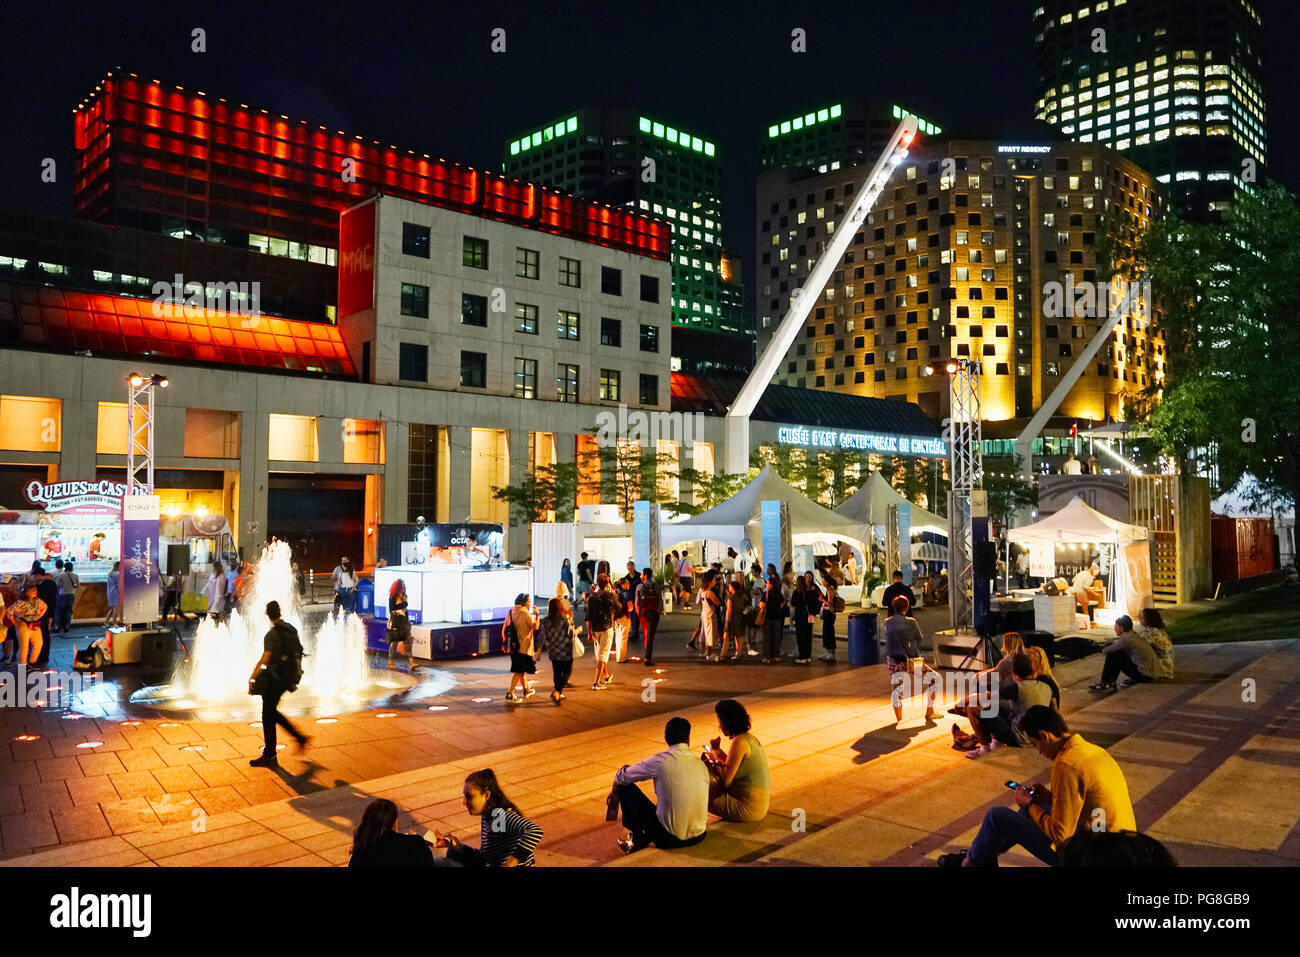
x=681 y=779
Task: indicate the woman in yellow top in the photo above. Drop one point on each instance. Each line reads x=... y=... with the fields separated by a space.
x=741 y=785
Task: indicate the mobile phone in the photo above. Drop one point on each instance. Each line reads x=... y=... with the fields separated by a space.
x=1016 y=785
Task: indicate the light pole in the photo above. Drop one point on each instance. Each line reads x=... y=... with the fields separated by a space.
x=966 y=472
x=139 y=436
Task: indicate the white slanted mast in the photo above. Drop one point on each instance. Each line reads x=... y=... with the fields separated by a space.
x=803 y=299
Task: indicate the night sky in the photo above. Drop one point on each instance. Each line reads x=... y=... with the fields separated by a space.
x=421 y=76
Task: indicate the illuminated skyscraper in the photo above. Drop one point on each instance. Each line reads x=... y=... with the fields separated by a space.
x=1174 y=85
x=626 y=158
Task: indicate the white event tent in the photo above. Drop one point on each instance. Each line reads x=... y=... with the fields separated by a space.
x=1077 y=524
x=738 y=519
x=869 y=505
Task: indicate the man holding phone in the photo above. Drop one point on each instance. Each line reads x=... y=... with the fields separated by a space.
x=1088 y=791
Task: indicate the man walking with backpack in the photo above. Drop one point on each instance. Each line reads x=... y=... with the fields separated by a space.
x=649 y=607
x=277 y=671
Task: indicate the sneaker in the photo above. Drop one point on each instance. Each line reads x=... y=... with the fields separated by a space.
x=803 y=661
x=952 y=859
x=766 y=661
x=530 y=692
x=994 y=744
x=827 y=656
x=609 y=679
x=752 y=653
x=555 y=697
x=935 y=716
x=1101 y=686
x=598 y=687
x=982 y=751
x=270 y=762
x=512 y=698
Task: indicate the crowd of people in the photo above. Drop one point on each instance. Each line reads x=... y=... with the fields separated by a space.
x=742 y=610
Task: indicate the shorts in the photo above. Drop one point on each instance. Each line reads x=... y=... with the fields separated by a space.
x=685 y=582
x=521 y=664
x=603 y=641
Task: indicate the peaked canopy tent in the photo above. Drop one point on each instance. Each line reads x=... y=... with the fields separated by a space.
x=1078 y=523
x=738 y=519
x=869 y=505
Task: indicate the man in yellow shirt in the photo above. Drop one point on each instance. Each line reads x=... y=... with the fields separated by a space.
x=1088 y=792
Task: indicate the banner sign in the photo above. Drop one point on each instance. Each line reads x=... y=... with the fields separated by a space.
x=646 y=545
x=774 y=516
x=1133 y=587
x=356 y=259
x=864 y=441
x=62 y=496
x=464 y=535
x=904 y=533
x=1042 y=560
x=139 y=583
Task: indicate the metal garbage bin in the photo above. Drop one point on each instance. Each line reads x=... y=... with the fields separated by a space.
x=863 y=647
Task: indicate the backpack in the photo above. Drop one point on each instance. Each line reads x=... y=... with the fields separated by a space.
x=599 y=614
x=652 y=600
x=839 y=602
x=288 y=670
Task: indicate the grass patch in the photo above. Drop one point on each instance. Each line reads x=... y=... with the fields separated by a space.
x=1267 y=613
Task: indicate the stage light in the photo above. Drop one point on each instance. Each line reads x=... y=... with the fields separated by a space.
x=135 y=379
x=161 y=381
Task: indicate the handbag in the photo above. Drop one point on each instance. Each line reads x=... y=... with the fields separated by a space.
x=761 y=617
x=579 y=649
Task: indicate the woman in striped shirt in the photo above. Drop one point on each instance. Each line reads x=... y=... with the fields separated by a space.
x=507 y=838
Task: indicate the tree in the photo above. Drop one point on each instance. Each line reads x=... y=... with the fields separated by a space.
x=706 y=489
x=1008 y=490
x=628 y=474
x=547 y=489
x=1229 y=299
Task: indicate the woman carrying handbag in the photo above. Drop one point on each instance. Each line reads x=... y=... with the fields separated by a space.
x=558 y=635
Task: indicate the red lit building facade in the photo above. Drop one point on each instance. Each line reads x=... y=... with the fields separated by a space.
x=165 y=159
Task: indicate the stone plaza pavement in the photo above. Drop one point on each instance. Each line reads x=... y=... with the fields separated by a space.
x=1212 y=775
